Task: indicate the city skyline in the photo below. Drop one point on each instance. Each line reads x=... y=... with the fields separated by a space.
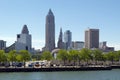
x=103 y=15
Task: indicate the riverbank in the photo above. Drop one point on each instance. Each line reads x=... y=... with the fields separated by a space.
x=53 y=69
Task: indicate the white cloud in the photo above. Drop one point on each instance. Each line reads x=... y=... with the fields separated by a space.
x=117 y=46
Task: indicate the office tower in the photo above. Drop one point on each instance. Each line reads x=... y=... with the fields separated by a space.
x=23 y=40
x=60 y=43
x=68 y=40
x=2 y=44
x=50 y=31
x=92 y=38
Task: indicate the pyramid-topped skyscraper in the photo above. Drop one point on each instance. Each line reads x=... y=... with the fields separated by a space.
x=50 y=31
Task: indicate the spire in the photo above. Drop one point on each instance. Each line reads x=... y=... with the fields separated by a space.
x=25 y=30
x=60 y=42
x=60 y=35
x=50 y=12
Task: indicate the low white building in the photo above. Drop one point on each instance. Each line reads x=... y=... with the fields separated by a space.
x=77 y=45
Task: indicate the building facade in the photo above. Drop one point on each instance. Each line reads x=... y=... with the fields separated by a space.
x=2 y=44
x=50 y=31
x=68 y=40
x=92 y=38
x=77 y=45
x=23 y=40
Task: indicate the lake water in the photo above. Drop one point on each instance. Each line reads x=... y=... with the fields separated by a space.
x=79 y=75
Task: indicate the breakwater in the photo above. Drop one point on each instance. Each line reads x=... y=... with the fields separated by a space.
x=53 y=69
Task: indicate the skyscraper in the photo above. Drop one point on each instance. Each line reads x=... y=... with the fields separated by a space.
x=50 y=31
x=60 y=43
x=23 y=40
x=68 y=40
x=92 y=38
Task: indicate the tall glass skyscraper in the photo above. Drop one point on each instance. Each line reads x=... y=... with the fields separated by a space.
x=50 y=31
x=68 y=40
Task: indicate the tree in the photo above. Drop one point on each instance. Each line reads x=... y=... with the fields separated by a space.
x=62 y=55
x=46 y=56
x=25 y=56
x=85 y=54
x=111 y=56
x=3 y=56
x=19 y=58
x=97 y=55
x=118 y=54
x=12 y=56
x=73 y=54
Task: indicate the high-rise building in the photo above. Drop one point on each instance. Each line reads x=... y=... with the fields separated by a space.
x=92 y=38
x=50 y=31
x=23 y=40
x=68 y=40
x=60 y=43
x=2 y=44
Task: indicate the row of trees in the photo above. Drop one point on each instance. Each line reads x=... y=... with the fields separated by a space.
x=23 y=56
x=88 y=55
x=13 y=56
x=62 y=55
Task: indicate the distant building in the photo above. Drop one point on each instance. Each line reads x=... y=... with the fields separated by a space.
x=68 y=40
x=2 y=44
x=60 y=43
x=50 y=32
x=103 y=46
x=92 y=38
x=77 y=45
x=23 y=40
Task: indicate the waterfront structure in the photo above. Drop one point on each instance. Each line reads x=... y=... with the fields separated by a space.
x=68 y=40
x=77 y=45
x=23 y=40
x=50 y=31
x=92 y=38
x=60 y=43
x=2 y=44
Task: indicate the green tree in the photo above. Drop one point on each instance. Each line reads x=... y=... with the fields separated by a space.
x=46 y=56
x=62 y=55
x=12 y=56
x=118 y=55
x=111 y=56
x=25 y=56
x=3 y=56
x=73 y=54
x=85 y=54
x=97 y=55
x=19 y=58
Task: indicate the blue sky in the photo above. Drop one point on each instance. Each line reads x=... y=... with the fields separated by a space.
x=73 y=15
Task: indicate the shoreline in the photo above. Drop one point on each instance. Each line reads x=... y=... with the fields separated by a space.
x=59 y=69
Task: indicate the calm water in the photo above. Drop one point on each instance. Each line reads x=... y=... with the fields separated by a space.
x=81 y=75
